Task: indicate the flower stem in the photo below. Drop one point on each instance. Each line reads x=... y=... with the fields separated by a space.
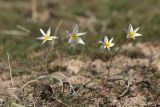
x=51 y=49
x=112 y=57
x=110 y=64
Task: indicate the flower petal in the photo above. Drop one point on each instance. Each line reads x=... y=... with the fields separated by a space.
x=42 y=32
x=75 y=30
x=53 y=37
x=79 y=40
x=103 y=46
x=40 y=38
x=108 y=49
x=138 y=34
x=44 y=41
x=136 y=29
x=111 y=40
x=70 y=40
x=80 y=34
x=105 y=39
x=49 y=31
x=130 y=29
x=111 y=44
x=100 y=42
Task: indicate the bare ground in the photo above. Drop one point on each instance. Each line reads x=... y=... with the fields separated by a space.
x=134 y=80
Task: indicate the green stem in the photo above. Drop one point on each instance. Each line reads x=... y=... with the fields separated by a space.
x=51 y=48
x=113 y=56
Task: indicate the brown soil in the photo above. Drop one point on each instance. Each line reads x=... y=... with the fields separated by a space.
x=134 y=80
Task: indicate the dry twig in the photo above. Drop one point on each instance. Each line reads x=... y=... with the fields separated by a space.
x=10 y=69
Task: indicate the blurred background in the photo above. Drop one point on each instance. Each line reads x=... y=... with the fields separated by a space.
x=20 y=21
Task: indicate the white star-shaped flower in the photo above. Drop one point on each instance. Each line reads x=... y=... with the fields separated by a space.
x=46 y=36
x=106 y=43
x=75 y=37
x=131 y=33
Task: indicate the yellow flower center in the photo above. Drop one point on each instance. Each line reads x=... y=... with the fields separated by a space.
x=107 y=44
x=131 y=34
x=74 y=36
x=46 y=37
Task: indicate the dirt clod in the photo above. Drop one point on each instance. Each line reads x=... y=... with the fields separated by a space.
x=42 y=91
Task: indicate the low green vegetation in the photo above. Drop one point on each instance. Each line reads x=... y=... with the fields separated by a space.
x=109 y=17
